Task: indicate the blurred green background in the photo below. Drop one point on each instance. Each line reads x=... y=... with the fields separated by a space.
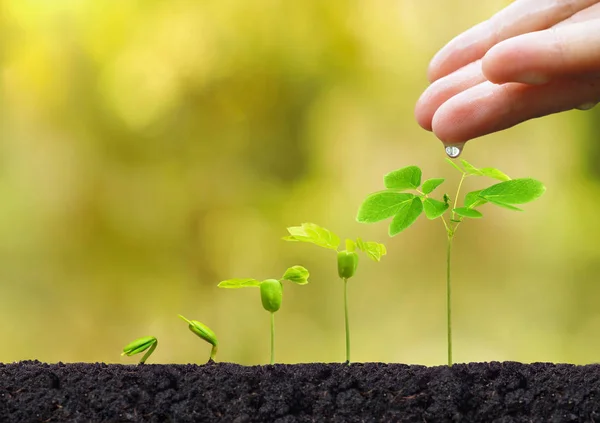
x=151 y=149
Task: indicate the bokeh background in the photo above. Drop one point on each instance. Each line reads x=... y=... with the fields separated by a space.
x=150 y=149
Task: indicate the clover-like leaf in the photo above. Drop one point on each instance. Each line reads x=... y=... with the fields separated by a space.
x=296 y=274
x=515 y=191
x=431 y=184
x=314 y=234
x=454 y=165
x=373 y=250
x=472 y=199
x=238 y=283
x=466 y=212
x=434 y=208
x=494 y=173
x=470 y=169
x=405 y=178
x=406 y=216
x=382 y=205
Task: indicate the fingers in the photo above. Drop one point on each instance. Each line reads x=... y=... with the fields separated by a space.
x=487 y=107
x=538 y=57
x=520 y=17
x=445 y=88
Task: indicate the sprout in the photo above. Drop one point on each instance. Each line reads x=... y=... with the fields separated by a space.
x=140 y=345
x=271 y=293
x=204 y=332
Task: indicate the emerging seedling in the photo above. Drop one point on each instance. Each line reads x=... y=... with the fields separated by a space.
x=204 y=332
x=271 y=293
x=139 y=345
x=347 y=260
x=405 y=207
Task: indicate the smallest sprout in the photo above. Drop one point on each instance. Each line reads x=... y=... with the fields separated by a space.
x=140 y=345
x=204 y=332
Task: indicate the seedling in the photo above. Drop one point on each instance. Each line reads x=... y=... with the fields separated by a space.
x=405 y=207
x=347 y=260
x=271 y=293
x=140 y=345
x=204 y=332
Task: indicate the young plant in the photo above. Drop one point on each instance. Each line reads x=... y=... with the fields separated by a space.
x=271 y=293
x=347 y=260
x=204 y=332
x=405 y=207
x=139 y=345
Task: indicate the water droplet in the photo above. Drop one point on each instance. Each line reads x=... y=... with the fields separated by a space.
x=454 y=150
x=586 y=106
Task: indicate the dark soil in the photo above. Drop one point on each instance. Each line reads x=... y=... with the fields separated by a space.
x=479 y=392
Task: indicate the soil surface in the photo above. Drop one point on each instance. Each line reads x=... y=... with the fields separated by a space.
x=31 y=391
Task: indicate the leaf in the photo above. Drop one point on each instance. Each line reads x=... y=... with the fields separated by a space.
x=434 y=208
x=431 y=184
x=454 y=165
x=494 y=173
x=406 y=216
x=470 y=169
x=373 y=250
x=405 y=178
x=350 y=245
x=314 y=234
x=238 y=283
x=466 y=212
x=472 y=199
x=515 y=191
x=382 y=205
x=296 y=274
x=506 y=206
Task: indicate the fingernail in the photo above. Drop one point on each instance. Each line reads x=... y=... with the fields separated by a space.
x=532 y=78
x=586 y=106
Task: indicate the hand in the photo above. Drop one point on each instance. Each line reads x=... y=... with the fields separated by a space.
x=534 y=58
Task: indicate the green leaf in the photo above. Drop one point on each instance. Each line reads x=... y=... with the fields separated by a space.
x=238 y=283
x=201 y=330
x=470 y=169
x=382 y=205
x=373 y=250
x=434 y=208
x=466 y=212
x=515 y=191
x=139 y=345
x=350 y=245
x=406 y=216
x=431 y=184
x=494 y=173
x=472 y=199
x=296 y=274
x=314 y=234
x=405 y=178
x=454 y=165
x=506 y=206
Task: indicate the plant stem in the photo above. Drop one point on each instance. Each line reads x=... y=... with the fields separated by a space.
x=462 y=178
x=272 y=338
x=449 y=299
x=213 y=353
x=149 y=352
x=347 y=321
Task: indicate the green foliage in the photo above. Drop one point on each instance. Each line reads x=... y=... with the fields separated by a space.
x=238 y=283
x=516 y=191
x=431 y=184
x=314 y=234
x=139 y=345
x=383 y=205
x=374 y=250
x=406 y=216
x=297 y=274
x=434 y=208
x=467 y=212
x=406 y=178
x=203 y=332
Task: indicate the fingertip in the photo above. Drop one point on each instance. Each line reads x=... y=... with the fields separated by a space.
x=422 y=112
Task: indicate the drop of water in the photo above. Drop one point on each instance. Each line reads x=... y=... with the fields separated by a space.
x=454 y=150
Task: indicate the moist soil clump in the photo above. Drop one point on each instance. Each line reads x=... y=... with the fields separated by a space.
x=31 y=391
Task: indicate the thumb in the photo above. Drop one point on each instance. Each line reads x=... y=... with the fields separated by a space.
x=538 y=57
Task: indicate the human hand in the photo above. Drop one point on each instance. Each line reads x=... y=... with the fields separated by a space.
x=534 y=58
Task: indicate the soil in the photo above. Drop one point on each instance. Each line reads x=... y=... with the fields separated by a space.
x=31 y=391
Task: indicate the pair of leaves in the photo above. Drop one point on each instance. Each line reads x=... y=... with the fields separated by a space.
x=405 y=208
x=315 y=234
x=297 y=274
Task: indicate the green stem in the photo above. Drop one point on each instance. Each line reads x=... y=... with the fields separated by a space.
x=449 y=300
x=213 y=353
x=149 y=352
x=272 y=338
x=462 y=178
x=347 y=321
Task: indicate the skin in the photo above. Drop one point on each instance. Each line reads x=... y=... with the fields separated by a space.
x=531 y=59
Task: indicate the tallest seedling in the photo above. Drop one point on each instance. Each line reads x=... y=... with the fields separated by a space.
x=406 y=207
